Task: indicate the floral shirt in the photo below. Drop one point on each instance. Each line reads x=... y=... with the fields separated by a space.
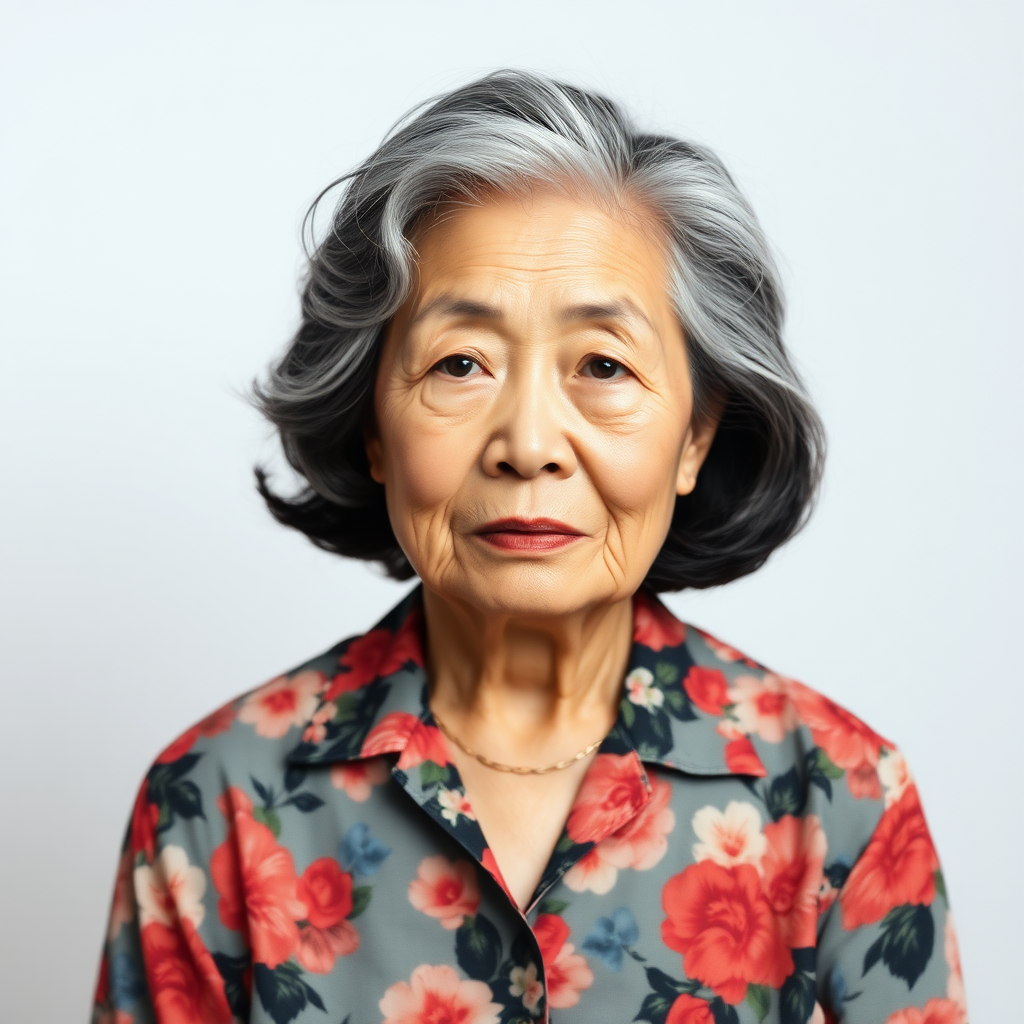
x=741 y=850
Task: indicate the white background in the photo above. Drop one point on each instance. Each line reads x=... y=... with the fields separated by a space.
x=158 y=160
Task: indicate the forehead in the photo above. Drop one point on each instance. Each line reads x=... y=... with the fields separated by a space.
x=542 y=240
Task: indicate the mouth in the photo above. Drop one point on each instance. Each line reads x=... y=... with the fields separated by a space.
x=528 y=534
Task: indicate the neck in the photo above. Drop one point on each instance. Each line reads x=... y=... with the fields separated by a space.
x=526 y=689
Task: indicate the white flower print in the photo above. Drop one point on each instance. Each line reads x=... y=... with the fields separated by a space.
x=734 y=837
x=453 y=803
x=894 y=775
x=171 y=890
x=641 y=690
x=526 y=986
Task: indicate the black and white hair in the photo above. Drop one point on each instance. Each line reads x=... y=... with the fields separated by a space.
x=511 y=131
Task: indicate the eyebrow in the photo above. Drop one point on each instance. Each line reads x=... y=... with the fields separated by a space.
x=621 y=309
x=448 y=305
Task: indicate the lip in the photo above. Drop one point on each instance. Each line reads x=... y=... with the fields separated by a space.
x=516 y=534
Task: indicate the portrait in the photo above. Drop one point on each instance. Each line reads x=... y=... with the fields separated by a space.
x=566 y=662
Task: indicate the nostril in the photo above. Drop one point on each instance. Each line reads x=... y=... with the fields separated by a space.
x=551 y=467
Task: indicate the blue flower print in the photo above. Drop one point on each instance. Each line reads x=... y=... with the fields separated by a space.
x=610 y=936
x=360 y=853
x=126 y=984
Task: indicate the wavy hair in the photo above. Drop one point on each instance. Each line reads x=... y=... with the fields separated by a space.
x=509 y=131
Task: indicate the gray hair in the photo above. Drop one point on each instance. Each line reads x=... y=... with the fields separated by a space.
x=511 y=131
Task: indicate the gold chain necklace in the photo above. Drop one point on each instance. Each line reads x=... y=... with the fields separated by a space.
x=511 y=768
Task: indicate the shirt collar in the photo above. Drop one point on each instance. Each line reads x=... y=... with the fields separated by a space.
x=672 y=712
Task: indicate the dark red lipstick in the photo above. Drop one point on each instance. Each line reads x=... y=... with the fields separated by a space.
x=528 y=535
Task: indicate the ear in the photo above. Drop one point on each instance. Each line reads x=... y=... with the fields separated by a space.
x=699 y=435
x=374 y=450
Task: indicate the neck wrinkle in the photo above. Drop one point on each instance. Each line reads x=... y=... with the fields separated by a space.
x=526 y=684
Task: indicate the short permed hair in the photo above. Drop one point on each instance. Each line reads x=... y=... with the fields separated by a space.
x=511 y=131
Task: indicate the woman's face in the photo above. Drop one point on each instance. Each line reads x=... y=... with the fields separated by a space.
x=533 y=406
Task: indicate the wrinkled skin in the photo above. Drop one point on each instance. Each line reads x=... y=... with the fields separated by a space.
x=537 y=370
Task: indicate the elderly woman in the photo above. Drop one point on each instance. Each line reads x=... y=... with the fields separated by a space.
x=540 y=368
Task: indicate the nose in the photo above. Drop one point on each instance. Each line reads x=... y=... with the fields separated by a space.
x=528 y=430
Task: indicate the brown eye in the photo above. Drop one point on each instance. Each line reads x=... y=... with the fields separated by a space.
x=457 y=366
x=604 y=369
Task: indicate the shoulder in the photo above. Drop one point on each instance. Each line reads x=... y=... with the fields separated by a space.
x=272 y=711
x=824 y=764
x=787 y=718
x=245 y=742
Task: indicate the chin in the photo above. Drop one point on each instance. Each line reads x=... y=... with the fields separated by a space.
x=533 y=590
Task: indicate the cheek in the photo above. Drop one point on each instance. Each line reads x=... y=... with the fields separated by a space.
x=636 y=478
x=426 y=467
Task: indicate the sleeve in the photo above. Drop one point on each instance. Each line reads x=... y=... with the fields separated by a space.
x=887 y=948
x=156 y=966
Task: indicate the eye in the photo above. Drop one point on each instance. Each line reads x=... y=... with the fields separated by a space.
x=601 y=368
x=457 y=366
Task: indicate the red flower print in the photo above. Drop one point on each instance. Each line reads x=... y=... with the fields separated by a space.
x=316 y=730
x=864 y=782
x=566 y=972
x=654 y=625
x=319 y=947
x=791 y=874
x=706 y=687
x=897 y=866
x=219 y=721
x=362 y=659
x=180 y=747
x=688 y=1010
x=102 y=982
x=327 y=892
x=723 y=652
x=613 y=791
x=389 y=735
x=936 y=1011
x=234 y=801
x=426 y=743
x=488 y=860
x=256 y=881
x=437 y=995
x=377 y=653
x=357 y=778
x=849 y=743
x=144 y=818
x=741 y=758
x=282 y=704
x=445 y=889
x=722 y=923
x=184 y=982
x=642 y=842
x=402 y=731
